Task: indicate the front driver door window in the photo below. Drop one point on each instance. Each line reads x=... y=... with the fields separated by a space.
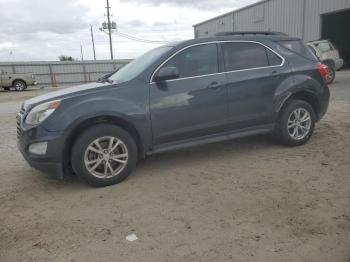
x=196 y=61
x=194 y=104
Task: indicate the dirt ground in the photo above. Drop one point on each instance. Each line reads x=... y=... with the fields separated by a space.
x=243 y=200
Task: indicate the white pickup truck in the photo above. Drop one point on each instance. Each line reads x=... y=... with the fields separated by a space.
x=19 y=82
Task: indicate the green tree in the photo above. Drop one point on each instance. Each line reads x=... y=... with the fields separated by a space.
x=66 y=58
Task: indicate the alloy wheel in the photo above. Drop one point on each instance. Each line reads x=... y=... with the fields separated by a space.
x=331 y=75
x=106 y=157
x=299 y=124
x=20 y=86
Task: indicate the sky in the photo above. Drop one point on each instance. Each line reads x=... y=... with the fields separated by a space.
x=42 y=30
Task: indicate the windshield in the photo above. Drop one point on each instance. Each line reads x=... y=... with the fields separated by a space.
x=324 y=47
x=138 y=65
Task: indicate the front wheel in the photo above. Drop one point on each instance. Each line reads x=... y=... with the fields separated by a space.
x=104 y=155
x=296 y=123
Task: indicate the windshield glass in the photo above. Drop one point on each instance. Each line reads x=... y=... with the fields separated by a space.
x=324 y=47
x=138 y=65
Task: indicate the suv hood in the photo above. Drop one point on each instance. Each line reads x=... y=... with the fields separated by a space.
x=63 y=93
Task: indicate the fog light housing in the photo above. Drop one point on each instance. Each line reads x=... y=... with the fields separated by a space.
x=38 y=148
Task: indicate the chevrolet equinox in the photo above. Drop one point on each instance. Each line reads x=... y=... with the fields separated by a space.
x=176 y=96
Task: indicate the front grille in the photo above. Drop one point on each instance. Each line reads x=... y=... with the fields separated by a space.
x=19 y=128
x=19 y=119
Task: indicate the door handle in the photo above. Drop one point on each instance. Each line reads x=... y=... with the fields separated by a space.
x=214 y=85
x=275 y=74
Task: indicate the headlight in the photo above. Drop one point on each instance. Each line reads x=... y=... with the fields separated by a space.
x=39 y=113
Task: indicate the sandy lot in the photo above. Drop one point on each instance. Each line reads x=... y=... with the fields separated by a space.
x=244 y=200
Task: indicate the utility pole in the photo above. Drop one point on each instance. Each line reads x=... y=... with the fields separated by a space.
x=81 y=52
x=93 y=41
x=109 y=30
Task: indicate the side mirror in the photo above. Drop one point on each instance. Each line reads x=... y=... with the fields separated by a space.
x=166 y=73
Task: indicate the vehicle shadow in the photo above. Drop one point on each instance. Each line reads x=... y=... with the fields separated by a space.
x=14 y=91
x=160 y=163
x=212 y=152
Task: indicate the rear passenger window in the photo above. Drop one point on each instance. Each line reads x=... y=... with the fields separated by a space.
x=196 y=61
x=240 y=56
x=274 y=60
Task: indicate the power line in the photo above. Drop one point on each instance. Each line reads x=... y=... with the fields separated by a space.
x=140 y=39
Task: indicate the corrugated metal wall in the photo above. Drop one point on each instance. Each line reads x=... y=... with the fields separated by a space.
x=221 y=24
x=314 y=9
x=274 y=15
x=64 y=73
x=301 y=18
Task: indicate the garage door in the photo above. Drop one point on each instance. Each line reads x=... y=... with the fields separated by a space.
x=335 y=27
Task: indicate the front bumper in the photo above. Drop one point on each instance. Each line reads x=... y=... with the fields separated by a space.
x=339 y=64
x=51 y=162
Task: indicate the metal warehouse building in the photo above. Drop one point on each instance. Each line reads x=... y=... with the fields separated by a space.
x=307 y=19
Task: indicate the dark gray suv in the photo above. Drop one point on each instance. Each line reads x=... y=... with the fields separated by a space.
x=176 y=96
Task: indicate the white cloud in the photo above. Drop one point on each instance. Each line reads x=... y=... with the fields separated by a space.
x=198 y=4
x=43 y=30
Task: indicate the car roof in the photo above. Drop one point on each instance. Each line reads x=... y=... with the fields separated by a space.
x=246 y=37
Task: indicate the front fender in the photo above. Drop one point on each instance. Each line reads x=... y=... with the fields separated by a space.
x=76 y=110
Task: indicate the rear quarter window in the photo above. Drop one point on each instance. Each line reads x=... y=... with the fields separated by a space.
x=299 y=48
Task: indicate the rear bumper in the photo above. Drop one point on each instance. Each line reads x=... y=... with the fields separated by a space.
x=33 y=83
x=323 y=102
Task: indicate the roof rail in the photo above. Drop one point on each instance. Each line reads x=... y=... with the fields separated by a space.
x=251 y=33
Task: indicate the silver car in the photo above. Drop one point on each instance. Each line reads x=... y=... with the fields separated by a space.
x=328 y=54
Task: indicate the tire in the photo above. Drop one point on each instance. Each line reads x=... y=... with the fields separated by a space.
x=85 y=157
x=288 y=123
x=19 y=85
x=331 y=75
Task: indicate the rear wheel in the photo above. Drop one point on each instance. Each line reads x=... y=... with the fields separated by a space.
x=331 y=71
x=104 y=155
x=331 y=75
x=19 y=85
x=296 y=123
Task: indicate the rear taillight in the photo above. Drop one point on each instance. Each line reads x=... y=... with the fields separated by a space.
x=323 y=69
